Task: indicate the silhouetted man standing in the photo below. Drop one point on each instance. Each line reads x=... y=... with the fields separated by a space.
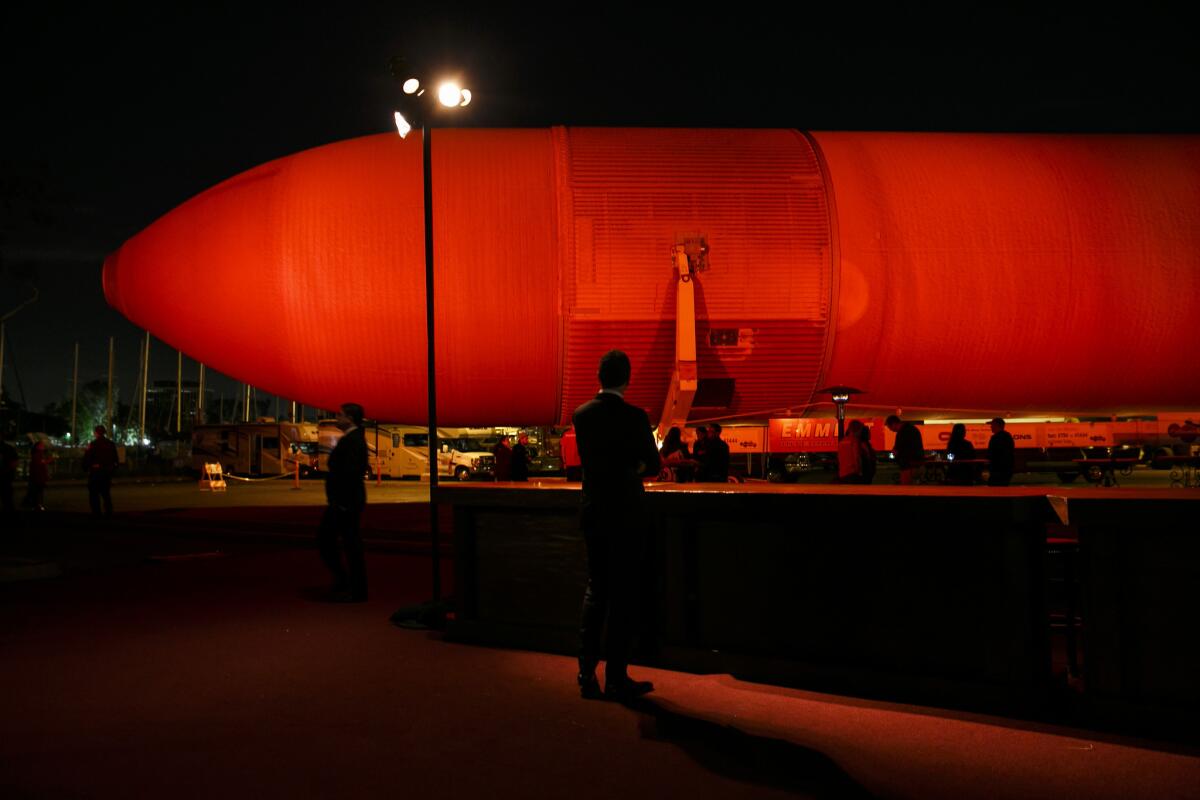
x=1002 y=455
x=617 y=450
x=347 y=496
x=717 y=455
x=99 y=462
x=909 y=450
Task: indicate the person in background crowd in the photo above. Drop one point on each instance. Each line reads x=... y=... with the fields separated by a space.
x=717 y=468
x=503 y=454
x=39 y=476
x=617 y=450
x=8 y=474
x=346 y=497
x=909 y=450
x=700 y=454
x=677 y=463
x=1002 y=455
x=100 y=462
x=849 y=454
x=960 y=449
x=867 y=455
x=520 y=459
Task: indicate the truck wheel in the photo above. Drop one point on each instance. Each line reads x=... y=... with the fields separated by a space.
x=463 y=474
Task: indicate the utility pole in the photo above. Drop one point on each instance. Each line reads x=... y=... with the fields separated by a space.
x=178 y=391
x=200 y=417
x=108 y=407
x=246 y=402
x=145 y=387
x=75 y=397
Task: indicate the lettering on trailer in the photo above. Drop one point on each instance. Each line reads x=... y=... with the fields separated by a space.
x=1085 y=434
x=818 y=435
x=744 y=439
x=937 y=435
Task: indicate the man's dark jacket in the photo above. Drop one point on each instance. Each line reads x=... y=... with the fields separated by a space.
x=1002 y=455
x=348 y=464
x=909 y=449
x=616 y=449
x=717 y=457
x=100 y=457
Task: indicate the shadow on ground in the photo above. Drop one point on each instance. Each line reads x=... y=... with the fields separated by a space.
x=744 y=757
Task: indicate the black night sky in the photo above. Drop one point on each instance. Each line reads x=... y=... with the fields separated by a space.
x=115 y=117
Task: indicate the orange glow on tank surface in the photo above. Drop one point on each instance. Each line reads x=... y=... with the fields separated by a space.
x=966 y=272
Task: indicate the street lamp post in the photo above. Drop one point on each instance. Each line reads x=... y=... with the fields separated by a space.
x=449 y=95
x=840 y=395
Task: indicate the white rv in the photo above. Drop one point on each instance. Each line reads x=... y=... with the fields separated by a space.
x=256 y=448
x=402 y=451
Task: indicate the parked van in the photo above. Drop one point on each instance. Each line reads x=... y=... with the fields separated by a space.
x=402 y=451
x=256 y=448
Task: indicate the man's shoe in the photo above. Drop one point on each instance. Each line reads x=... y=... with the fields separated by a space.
x=589 y=687
x=622 y=690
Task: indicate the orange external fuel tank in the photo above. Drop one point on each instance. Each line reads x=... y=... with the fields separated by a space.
x=969 y=273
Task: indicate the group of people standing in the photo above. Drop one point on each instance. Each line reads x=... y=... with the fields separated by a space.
x=856 y=455
x=708 y=459
x=99 y=463
x=857 y=459
x=512 y=461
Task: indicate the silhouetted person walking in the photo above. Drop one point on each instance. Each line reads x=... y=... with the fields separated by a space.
x=502 y=460
x=909 y=450
x=100 y=462
x=717 y=468
x=867 y=454
x=1002 y=455
x=617 y=450
x=520 y=459
x=347 y=496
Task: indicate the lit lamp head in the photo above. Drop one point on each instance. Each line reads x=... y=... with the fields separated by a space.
x=450 y=94
x=840 y=395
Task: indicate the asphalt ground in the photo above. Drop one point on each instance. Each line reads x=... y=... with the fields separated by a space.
x=167 y=495
x=187 y=662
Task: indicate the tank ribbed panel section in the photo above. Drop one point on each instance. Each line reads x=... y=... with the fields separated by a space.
x=757 y=198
